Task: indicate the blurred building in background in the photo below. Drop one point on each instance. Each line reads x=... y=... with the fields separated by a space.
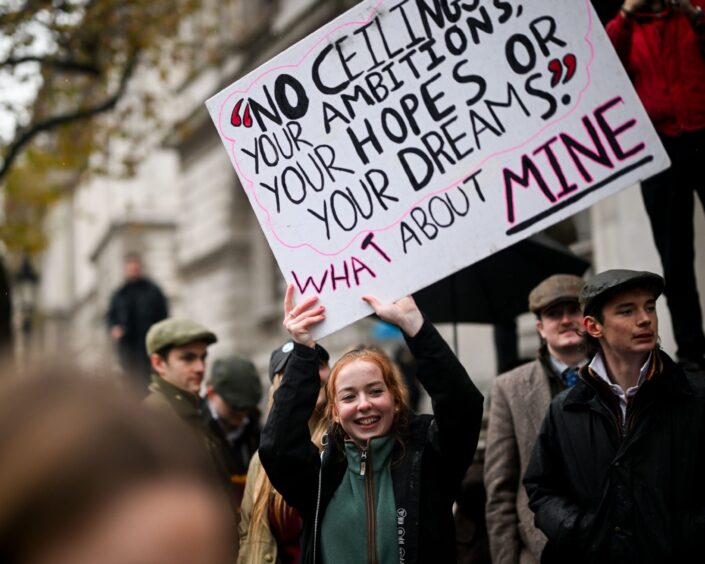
x=187 y=215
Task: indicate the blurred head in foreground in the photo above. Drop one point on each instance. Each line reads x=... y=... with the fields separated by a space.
x=89 y=475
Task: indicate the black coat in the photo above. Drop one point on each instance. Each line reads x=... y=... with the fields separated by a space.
x=136 y=306
x=426 y=481
x=603 y=492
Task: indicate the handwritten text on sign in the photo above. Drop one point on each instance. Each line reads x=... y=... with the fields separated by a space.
x=408 y=139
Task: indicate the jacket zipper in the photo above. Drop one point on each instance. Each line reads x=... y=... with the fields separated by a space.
x=318 y=500
x=365 y=465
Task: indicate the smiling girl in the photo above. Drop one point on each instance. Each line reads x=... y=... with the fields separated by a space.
x=382 y=491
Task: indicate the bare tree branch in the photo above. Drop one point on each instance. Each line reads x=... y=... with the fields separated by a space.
x=24 y=137
x=59 y=64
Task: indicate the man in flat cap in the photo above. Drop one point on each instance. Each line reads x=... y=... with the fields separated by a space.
x=518 y=402
x=177 y=350
x=616 y=474
x=233 y=393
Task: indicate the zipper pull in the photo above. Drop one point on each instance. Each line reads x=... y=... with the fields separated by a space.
x=363 y=462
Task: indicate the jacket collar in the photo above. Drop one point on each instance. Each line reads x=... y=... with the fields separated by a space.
x=674 y=383
x=184 y=402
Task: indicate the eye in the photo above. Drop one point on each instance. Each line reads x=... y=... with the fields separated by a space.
x=551 y=314
x=376 y=391
x=625 y=311
x=347 y=398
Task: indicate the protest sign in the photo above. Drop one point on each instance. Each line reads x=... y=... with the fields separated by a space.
x=410 y=138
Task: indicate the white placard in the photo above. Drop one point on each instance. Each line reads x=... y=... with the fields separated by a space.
x=408 y=139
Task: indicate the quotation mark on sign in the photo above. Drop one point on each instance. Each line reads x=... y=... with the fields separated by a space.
x=556 y=68
x=246 y=119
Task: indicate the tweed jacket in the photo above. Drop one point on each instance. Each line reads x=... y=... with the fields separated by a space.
x=518 y=403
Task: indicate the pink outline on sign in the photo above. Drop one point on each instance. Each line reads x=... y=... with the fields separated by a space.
x=250 y=183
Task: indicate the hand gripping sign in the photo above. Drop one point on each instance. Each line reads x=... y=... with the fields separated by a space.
x=410 y=138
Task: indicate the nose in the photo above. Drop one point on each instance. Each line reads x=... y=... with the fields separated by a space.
x=364 y=403
x=569 y=316
x=644 y=318
x=200 y=366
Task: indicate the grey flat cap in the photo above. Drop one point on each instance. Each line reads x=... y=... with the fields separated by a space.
x=176 y=332
x=603 y=286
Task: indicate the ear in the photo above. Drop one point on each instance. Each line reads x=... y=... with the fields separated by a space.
x=592 y=326
x=539 y=327
x=157 y=363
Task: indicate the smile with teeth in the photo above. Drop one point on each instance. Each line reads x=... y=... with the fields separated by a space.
x=367 y=420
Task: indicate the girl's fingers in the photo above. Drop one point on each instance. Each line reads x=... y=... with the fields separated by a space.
x=373 y=302
x=289 y=299
x=306 y=304
x=306 y=322
x=290 y=310
x=310 y=312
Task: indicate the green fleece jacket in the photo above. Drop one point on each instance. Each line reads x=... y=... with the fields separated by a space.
x=348 y=533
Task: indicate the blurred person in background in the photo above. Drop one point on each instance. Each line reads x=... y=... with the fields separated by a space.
x=518 y=403
x=662 y=46
x=233 y=393
x=177 y=349
x=269 y=528
x=134 y=307
x=88 y=478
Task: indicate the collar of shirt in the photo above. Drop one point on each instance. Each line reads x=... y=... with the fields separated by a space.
x=597 y=367
x=560 y=367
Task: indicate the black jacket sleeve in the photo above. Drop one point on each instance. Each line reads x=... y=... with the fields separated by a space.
x=457 y=403
x=564 y=522
x=287 y=454
x=116 y=314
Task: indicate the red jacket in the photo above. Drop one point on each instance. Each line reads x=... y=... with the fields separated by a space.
x=665 y=58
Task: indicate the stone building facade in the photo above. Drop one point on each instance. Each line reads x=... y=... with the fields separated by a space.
x=186 y=213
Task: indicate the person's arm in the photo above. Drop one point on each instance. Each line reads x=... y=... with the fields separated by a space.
x=695 y=12
x=115 y=317
x=619 y=29
x=691 y=528
x=457 y=403
x=162 y=304
x=287 y=454
x=502 y=477
x=562 y=520
x=286 y=451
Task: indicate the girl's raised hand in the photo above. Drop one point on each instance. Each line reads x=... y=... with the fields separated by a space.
x=298 y=319
x=404 y=313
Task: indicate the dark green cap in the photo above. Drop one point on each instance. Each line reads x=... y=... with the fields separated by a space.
x=601 y=287
x=175 y=332
x=280 y=356
x=235 y=379
x=553 y=290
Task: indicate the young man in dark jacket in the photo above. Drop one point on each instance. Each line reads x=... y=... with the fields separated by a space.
x=616 y=472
